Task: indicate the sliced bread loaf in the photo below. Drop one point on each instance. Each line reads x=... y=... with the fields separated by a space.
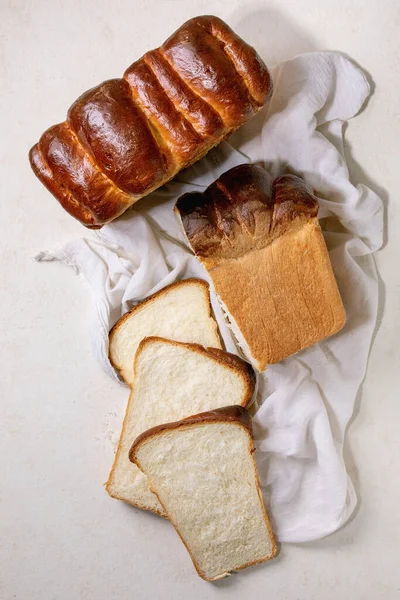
x=261 y=242
x=180 y=311
x=172 y=381
x=204 y=474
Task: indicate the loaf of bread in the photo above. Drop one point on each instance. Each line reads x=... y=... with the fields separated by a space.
x=173 y=381
x=127 y=137
x=261 y=242
x=180 y=311
x=203 y=471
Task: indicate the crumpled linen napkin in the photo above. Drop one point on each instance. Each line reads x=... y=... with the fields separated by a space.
x=306 y=401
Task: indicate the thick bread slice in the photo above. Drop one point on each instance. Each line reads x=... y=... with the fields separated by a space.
x=204 y=474
x=180 y=311
x=172 y=381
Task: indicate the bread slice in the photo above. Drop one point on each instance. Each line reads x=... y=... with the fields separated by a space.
x=172 y=381
x=261 y=242
x=180 y=311
x=204 y=474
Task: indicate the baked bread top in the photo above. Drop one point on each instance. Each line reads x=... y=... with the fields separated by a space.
x=126 y=137
x=243 y=210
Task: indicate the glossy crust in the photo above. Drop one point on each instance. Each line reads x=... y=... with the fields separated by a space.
x=126 y=137
x=230 y=361
x=139 y=306
x=262 y=245
x=231 y=414
x=243 y=210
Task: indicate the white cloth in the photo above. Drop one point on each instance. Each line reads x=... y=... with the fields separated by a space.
x=307 y=400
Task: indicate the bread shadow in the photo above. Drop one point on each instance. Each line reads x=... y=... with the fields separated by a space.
x=265 y=29
x=144 y=514
x=232 y=579
x=147 y=516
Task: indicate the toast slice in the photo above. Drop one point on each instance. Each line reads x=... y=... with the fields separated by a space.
x=180 y=311
x=203 y=471
x=172 y=381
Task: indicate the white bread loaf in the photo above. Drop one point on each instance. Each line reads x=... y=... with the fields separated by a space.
x=204 y=474
x=261 y=242
x=180 y=311
x=173 y=380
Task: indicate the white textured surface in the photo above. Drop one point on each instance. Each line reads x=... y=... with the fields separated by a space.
x=58 y=408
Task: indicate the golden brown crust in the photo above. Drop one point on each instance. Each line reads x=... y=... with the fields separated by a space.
x=66 y=199
x=243 y=210
x=262 y=245
x=126 y=137
x=195 y=110
x=236 y=414
x=149 y=299
x=175 y=134
x=111 y=128
x=292 y=301
x=245 y=60
x=199 y=58
x=71 y=174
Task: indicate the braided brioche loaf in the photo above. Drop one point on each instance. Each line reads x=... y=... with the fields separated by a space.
x=127 y=137
x=262 y=244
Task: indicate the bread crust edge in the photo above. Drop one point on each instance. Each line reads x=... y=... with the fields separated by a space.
x=230 y=361
x=148 y=300
x=231 y=414
x=227 y=359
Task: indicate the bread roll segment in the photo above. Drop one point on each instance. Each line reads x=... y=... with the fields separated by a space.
x=262 y=244
x=127 y=137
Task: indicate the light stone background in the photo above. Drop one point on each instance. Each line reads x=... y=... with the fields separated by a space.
x=62 y=537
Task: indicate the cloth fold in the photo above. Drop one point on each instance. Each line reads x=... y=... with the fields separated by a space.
x=306 y=401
